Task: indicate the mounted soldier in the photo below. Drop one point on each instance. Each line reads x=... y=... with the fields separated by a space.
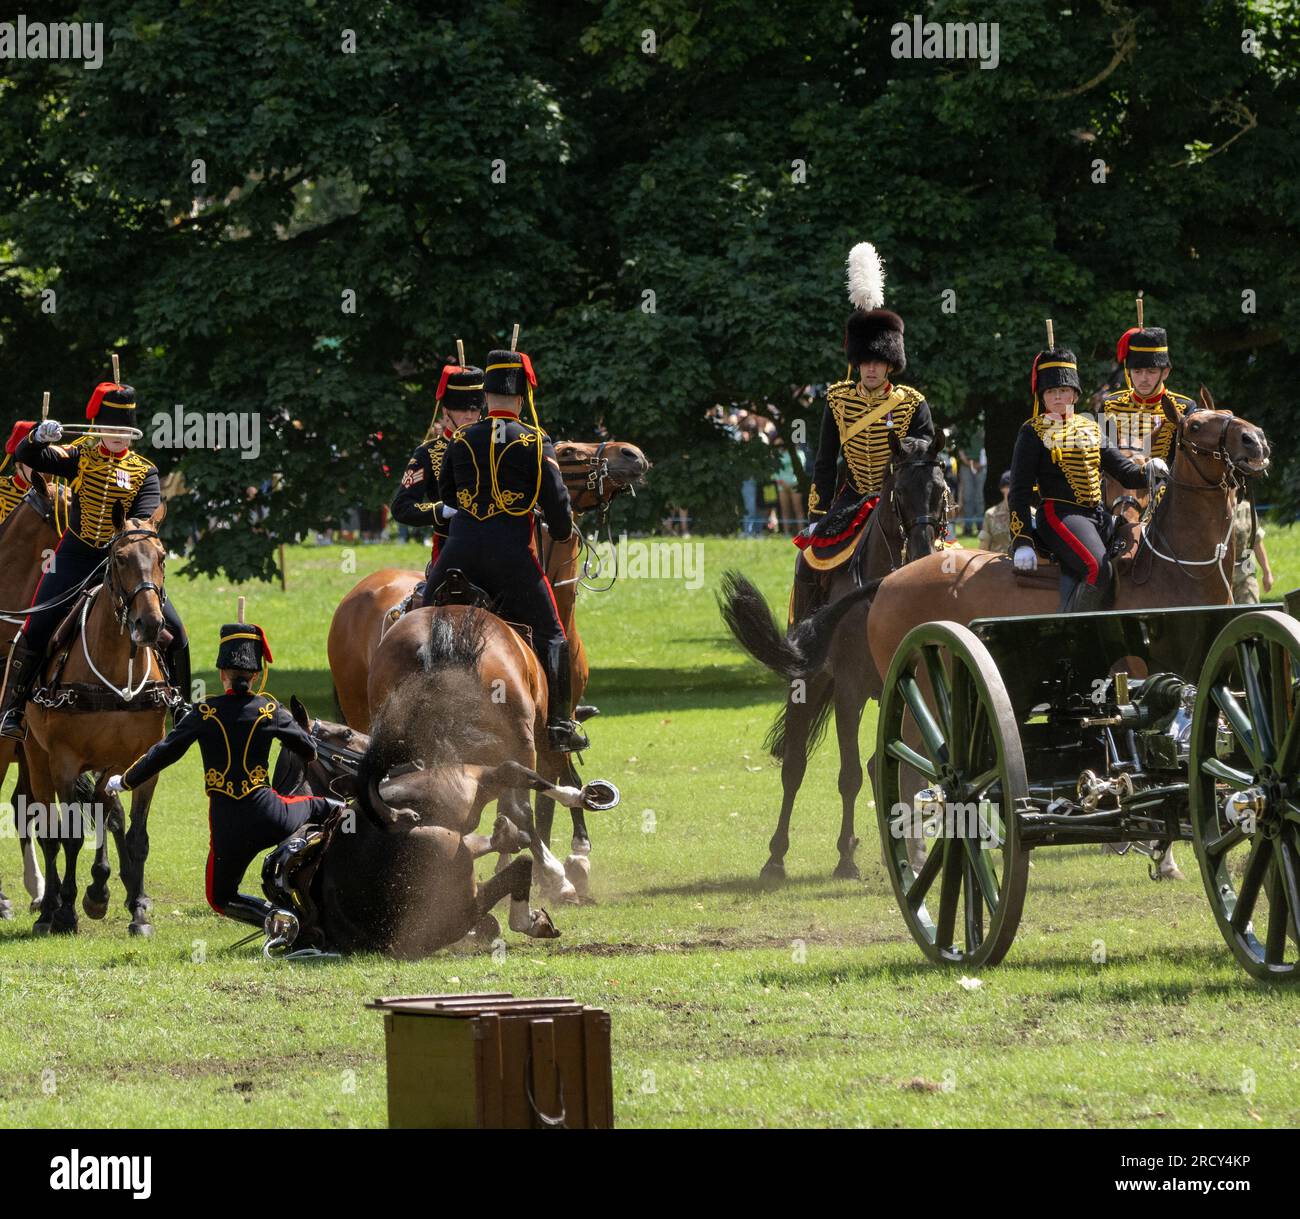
x=494 y=474
x=1061 y=456
x=15 y=485
x=863 y=412
x=104 y=474
x=1136 y=416
x=461 y=402
x=246 y=815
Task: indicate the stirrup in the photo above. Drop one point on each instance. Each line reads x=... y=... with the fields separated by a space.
x=281 y=929
x=564 y=736
x=13 y=725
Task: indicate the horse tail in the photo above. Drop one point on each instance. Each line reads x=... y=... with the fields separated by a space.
x=800 y=654
x=746 y=613
x=454 y=641
x=775 y=740
x=811 y=639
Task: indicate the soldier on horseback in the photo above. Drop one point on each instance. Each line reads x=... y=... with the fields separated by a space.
x=103 y=472
x=861 y=415
x=416 y=501
x=1061 y=456
x=14 y=486
x=245 y=814
x=1135 y=416
x=495 y=473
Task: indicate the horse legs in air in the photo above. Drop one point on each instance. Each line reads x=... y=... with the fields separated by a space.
x=516 y=880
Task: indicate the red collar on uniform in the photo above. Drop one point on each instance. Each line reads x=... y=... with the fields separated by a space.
x=447 y=433
x=1141 y=401
x=20 y=482
x=105 y=451
x=502 y=415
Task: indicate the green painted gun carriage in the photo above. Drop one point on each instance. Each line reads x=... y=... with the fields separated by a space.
x=1141 y=727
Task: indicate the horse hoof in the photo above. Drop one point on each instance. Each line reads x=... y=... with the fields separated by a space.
x=1173 y=872
x=772 y=875
x=94 y=907
x=64 y=924
x=144 y=929
x=42 y=929
x=486 y=930
x=577 y=868
x=543 y=928
x=6 y=910
x=846 y=869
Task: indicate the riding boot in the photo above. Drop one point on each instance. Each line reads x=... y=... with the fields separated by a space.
x=1069 y=586
x=563 y=733
x=177 y=659
x=1087 y=599
x=24 y=661
x=249 y=910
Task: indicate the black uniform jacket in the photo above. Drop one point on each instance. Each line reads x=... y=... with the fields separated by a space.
x=99 y=479
x=491 y=504
x=234 y=732
x=416 y=502
x=1064 y=460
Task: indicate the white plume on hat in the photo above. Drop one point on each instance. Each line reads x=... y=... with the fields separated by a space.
x=866 y=281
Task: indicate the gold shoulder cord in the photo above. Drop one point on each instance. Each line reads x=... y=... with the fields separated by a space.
x=494 y=461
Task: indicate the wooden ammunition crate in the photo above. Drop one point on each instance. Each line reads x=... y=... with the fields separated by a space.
x=494 y=1062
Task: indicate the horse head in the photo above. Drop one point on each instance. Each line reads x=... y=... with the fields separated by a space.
x=596 y=472
x=1216 y=443
x=917 y=492
x=339 y=750
x=135 y=572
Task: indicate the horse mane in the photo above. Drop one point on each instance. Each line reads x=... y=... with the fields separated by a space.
x=454 y=642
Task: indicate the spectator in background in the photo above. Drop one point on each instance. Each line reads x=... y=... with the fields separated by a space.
x=1252 y=558
x=972 y=470
x=788 y=500
x=995 y=534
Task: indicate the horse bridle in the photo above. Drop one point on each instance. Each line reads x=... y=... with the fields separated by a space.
x=122 y=602
x=1232 y=475
x=938 y=524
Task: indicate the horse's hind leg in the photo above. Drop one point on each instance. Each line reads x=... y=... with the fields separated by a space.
x=850 y=698
x=132 y=852
x=42 y=825
x=95 y=900
x=802 y=705
x=33 y=878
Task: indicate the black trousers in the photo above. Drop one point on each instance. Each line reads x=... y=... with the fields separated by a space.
x=74 y=560
x=1078 y=538
x=240 y=830
x=511 y=574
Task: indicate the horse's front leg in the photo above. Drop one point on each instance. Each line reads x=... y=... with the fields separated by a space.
x=41 y=824
x=69 y=824
x=33 y=878
x=107 y=811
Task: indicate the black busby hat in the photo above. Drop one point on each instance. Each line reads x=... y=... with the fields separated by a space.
x=243 y=646
x=461 y=387
x=508 y=372
x=1054 y=368
x=1143 y=347
x=112 y=405
x=872 y=332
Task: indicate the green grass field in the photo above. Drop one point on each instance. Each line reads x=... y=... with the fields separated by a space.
x=731 y=1006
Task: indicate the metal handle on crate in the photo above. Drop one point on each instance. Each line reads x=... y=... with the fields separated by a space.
x=549 y=1122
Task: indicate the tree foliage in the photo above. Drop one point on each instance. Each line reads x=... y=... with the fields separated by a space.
x=670 y=230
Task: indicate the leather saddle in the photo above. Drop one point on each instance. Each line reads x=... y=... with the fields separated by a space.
x=289 y=874
x=456 y=589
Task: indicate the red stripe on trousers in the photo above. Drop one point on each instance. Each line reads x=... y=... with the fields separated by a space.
x=36 y=596
x=1081 y=551
x=207 y=878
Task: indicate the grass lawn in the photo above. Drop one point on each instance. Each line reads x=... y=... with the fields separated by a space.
x=731 y=1006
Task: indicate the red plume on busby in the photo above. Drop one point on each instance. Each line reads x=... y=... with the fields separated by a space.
x=507 y=371
x=117 y=400
x=1143 y=347
x=18 y=435
x=464 y=384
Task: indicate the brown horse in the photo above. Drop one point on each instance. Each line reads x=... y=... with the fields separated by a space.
x=400 y=878
x=28 y=537
x=483 y=669
x=594 y=474
x=910 y=518
x=116 y=712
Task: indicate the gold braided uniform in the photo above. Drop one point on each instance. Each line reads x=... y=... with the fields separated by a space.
x=1138 y=426
x=857 y=427
x=12 y=489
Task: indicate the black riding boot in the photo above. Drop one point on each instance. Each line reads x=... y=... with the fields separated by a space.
x=23 y=664
x=564 y=735
x=177 y=659
x=1087 y=599
x=1069 y=586
x=249 y=910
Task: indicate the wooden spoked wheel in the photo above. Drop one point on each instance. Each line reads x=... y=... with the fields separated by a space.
x=948 y=729
x=1245 y=790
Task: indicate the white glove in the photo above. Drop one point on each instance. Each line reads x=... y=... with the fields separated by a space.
x=1156 y=469
x=114 y=785
x=48 y=431
x=1025 y=559
x=446 y=511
